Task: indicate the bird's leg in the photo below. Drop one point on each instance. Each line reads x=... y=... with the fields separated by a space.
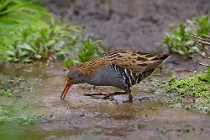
x=130 y=97
x=107 y=95
x=95 y=94
x=128 y=91
x=112 y=94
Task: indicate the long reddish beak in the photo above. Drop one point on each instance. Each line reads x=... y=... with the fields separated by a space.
x=63 y=95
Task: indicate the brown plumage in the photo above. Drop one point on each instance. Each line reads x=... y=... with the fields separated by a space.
x=120 y=69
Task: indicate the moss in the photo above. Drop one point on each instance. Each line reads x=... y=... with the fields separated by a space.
x=8 y=115
x=22 y=119
x=5 y=92
x=14 y=85
x=190 y=93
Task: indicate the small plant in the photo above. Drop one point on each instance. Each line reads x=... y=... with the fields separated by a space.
x=201 y=38
x=50 y=42
x=26 y=37
x=86 y=51
x=16 y=14
x=201 y=25
x=179 y=40
x=89 y=50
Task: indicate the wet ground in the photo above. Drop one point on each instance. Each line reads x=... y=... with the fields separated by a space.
x=83 y=117
x=136 y=24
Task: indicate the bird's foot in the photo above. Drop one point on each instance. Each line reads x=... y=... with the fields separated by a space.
x=95 y=94
x=106 y=96
x=109 y=95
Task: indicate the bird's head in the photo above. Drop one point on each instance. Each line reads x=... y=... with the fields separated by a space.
x=73 y=77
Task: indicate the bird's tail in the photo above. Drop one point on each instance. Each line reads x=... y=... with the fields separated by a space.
x=143 y=75
x=165 y=57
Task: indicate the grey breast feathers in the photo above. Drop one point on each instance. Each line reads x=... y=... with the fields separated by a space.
x=112 y=75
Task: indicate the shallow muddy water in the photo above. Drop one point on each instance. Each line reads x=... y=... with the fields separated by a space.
x=139 y=26
x=84 y=117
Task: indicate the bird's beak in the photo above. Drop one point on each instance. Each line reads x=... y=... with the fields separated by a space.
x=68 y=85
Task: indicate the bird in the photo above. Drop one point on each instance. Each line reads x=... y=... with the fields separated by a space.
x=117 y=68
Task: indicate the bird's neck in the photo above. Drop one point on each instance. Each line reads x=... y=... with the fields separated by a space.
x=82 y=79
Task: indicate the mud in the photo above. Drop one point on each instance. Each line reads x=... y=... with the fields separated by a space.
x=136 y=24
x=84 y=117
x=128 y=24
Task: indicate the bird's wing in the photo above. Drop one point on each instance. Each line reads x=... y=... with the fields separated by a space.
x=136 y=61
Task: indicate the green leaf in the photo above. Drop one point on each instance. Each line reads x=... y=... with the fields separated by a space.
x=68 y=63
x=4 y=4
x=28 y=47
x=50 y=43
x=11 y=53
x=38 y=56
x=14 y=7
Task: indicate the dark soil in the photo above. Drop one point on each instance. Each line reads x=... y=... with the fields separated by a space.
x=129 y=24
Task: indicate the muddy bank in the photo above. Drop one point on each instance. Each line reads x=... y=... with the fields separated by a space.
x=120 y=25
x=136 y=24
x=83 y=117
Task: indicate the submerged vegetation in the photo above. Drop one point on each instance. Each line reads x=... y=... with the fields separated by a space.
x=14 y=85
x=10 y=90
x=9 y=115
